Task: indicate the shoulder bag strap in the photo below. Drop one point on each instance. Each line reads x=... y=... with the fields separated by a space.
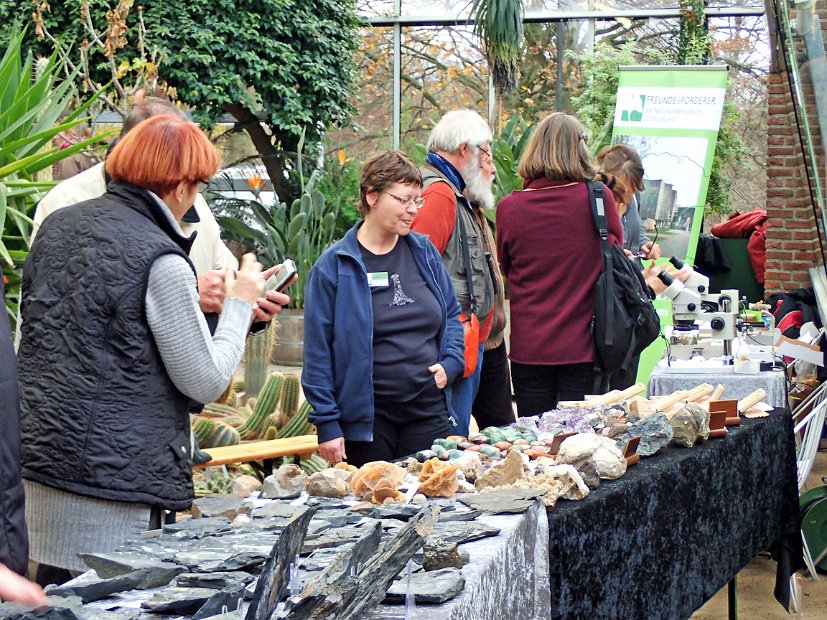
x=599 y=213
x=466 y=257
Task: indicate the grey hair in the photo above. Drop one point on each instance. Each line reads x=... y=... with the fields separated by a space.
x=457 y=128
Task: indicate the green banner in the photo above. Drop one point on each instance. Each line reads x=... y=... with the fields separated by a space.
x=671 y=117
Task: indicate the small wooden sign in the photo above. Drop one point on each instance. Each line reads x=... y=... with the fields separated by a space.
x=717 y=423
x=630 y=451
x=729 y=407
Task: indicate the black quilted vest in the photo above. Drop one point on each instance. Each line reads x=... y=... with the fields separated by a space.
x=14 y=541
x=100 y=417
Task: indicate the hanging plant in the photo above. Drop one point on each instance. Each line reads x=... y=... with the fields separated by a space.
x=499 y=26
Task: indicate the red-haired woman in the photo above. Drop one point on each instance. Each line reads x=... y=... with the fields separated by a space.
x=113 y=347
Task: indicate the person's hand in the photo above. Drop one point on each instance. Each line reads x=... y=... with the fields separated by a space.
x=247 y=282
x=440 y=376
x=268 y=306
x=16 y=589
x=650 y=275
x=211 y=291
x=629 y=254
x=650 y=250
x=333 y=450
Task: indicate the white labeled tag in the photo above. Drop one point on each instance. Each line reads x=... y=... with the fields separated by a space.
x=378 y=279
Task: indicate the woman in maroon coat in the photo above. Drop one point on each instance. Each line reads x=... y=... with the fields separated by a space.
x=549 y=250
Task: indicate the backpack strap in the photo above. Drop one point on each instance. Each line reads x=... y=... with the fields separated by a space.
x=599 y=214
x=466 y=258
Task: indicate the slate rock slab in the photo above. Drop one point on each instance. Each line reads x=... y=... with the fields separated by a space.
x=199 y=528
x=435 y=586
x=502 y=501
x=460 y=531
x=176 y=600
x=402 y=512
x=217 y=580
x=10 y=611
x=459 y=515
x=277 y=509
x=141 y=579
x=108 y=565
x=227 y=598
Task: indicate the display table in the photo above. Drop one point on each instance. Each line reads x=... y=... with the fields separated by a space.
x=736 y=386
x=507 y=577
x=664 y=538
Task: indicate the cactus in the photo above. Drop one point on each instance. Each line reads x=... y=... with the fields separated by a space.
x=224 y=435
x=298 y=425
x=256 y=425
x=257 y=357
x=290 y=396
x=271 y=433
x=219 y=411
x=228 y=395
x=203 y=429
x=314 y=464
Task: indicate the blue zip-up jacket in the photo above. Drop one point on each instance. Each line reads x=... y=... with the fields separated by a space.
x=337 y=377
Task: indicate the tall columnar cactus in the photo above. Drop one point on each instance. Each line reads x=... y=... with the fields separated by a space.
x=256 y=425
x=298 y=425
x=257 y=357
x=228 y=395
x=290 y=396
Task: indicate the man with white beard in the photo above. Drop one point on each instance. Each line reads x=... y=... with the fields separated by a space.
x=458 y=170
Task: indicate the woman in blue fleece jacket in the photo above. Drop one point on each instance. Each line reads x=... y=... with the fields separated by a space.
x=382 y=335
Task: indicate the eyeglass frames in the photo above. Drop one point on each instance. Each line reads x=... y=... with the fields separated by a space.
x=406 y=202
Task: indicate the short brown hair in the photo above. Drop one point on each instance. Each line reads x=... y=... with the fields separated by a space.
x=557 y=150
x=622 y=159
x=160 y=153
x=383 y=170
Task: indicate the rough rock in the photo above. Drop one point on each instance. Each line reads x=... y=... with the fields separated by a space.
x=227 y=506
x=226 y=598
x=588 y=471
x=329 y=483
x=287 y=482
x=502 y=501
x=508 y=471
x=690 y=425
x=439 y=553
x=574 y=487
x=241 y=520
x=429 y=587
x=604 y=451
x=243 y=486
x=470 y=464
x=655 y=433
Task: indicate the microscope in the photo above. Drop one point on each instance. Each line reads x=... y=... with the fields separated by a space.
x=705 y=323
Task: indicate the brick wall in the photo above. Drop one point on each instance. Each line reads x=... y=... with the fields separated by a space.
x=792 y=228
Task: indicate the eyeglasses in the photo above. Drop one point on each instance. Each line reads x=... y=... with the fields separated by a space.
x=407 y=202
x=203 y=186
x=486 y=151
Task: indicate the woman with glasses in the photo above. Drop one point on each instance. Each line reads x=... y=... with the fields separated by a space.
x=114 y=346
x=549 y=251
x=382 y=337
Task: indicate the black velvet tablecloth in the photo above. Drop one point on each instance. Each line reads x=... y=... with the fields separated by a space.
x=664 y=538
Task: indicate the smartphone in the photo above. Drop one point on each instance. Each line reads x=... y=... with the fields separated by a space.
x=284 y=276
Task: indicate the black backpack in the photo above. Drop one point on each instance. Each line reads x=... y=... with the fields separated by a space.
x=625 y=322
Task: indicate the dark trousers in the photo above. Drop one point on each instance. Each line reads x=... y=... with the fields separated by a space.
x=492 y=405
x=402 y=429
x=538 y=389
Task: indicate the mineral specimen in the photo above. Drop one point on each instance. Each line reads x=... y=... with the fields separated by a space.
x=329 y=483
x=287 y=482
x=607 y=457
x=438 y=479
x=655 y=433
x=506 y=472
x=370 y=474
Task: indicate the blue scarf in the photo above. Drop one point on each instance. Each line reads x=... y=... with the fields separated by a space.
x=446 y=168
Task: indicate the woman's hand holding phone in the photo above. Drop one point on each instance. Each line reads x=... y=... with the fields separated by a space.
x=273 y=300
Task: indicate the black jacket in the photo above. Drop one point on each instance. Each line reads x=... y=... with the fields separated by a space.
x=100 y=417
x=14 y=540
